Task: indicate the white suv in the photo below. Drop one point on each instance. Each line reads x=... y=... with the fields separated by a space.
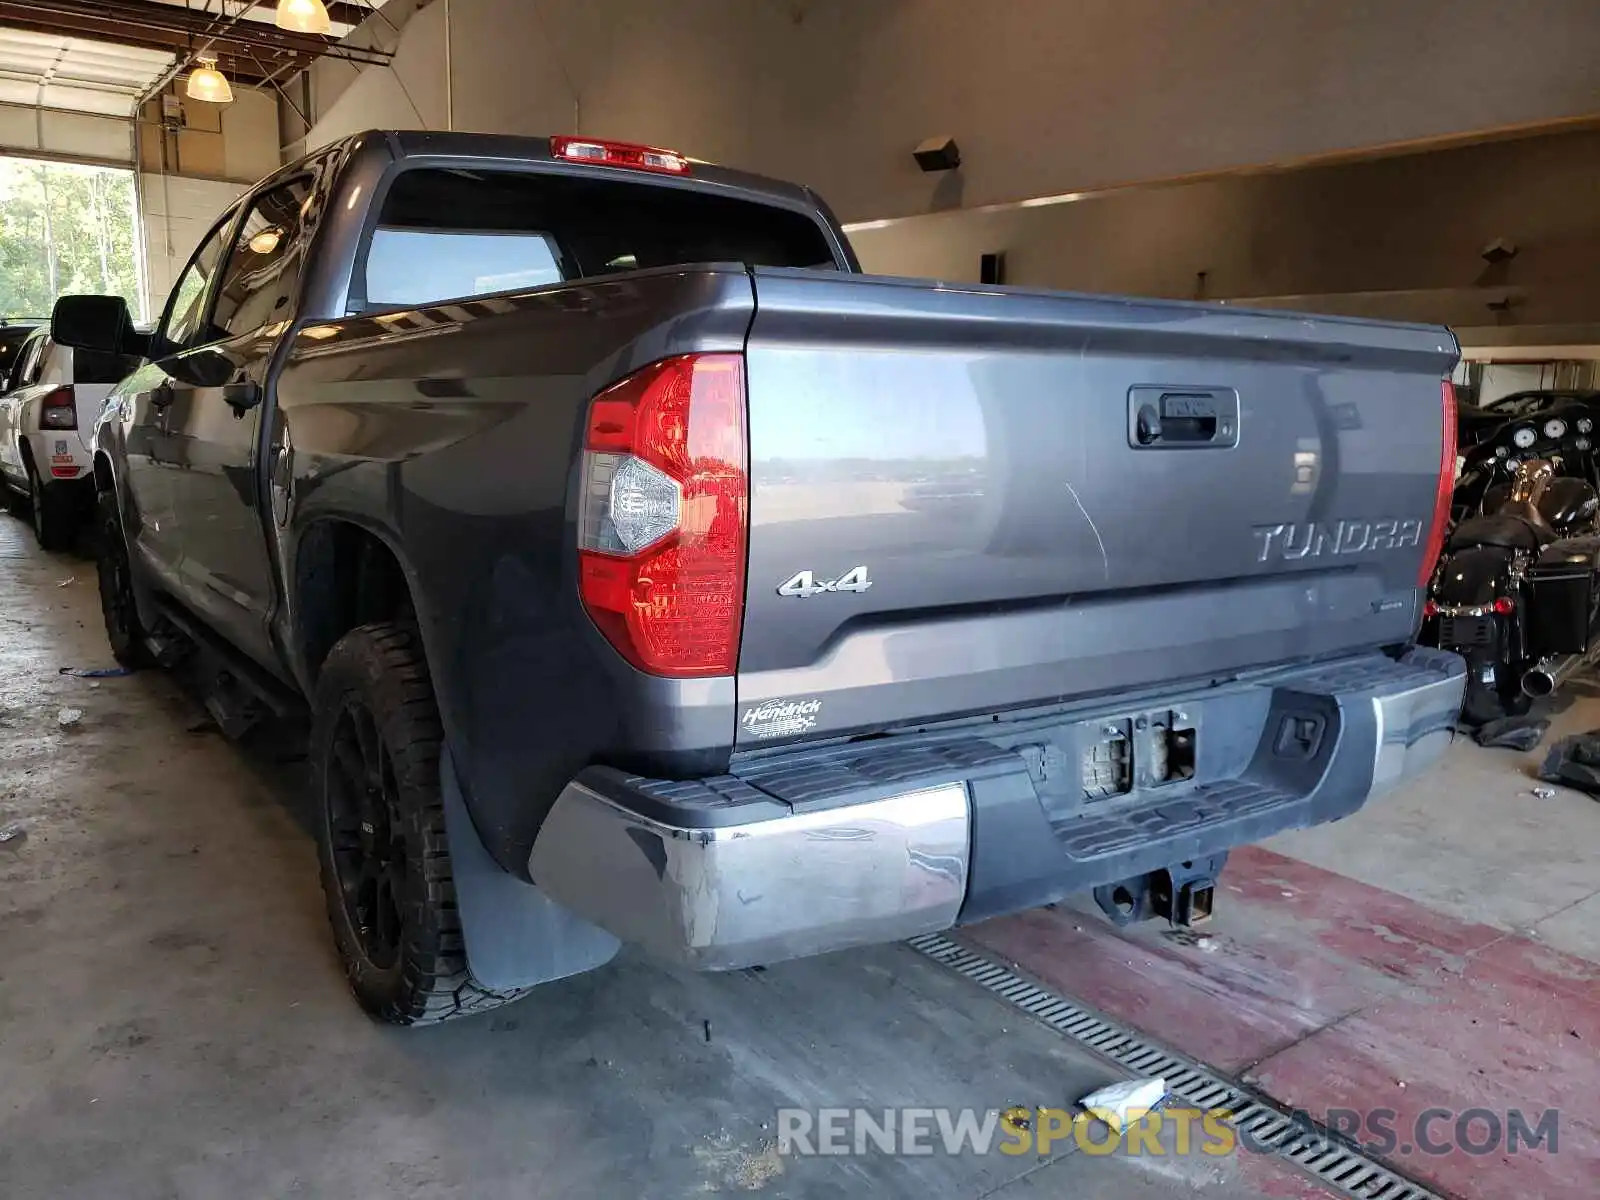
x=55 y=394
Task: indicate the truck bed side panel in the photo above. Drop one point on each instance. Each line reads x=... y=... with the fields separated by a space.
x=453 y=433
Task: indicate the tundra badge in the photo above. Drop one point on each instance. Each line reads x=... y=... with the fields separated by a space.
x=1307 y=540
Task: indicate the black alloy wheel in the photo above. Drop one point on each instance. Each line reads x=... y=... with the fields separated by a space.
x=366 y=835
x=118 y=608
x=384 y=850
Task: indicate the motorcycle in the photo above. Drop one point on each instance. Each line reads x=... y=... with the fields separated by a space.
x=1517 y=590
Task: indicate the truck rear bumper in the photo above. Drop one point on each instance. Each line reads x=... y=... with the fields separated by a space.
x=878 y=841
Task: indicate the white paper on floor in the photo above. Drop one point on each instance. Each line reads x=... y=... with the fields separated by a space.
x=1120 y=1104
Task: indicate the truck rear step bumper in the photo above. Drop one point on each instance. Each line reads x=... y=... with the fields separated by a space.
x=877 y=841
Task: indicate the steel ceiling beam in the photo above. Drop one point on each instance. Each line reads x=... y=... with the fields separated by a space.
x=163 y=27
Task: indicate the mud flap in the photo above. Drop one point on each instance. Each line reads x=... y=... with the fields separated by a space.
x=515 y=935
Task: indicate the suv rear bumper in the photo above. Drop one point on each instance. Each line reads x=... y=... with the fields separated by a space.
x=60 y=455
x=879 y=841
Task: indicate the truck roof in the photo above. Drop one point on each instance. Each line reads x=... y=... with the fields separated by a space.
x=409 y=143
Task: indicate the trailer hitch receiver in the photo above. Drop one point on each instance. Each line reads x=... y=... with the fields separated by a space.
x=1184 y=893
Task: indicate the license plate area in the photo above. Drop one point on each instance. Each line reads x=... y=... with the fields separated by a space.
x=1146 y=750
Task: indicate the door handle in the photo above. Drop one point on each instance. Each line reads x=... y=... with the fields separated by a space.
x=242 y=396
x=1175 y=418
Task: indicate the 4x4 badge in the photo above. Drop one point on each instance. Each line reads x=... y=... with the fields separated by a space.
x=806 y=584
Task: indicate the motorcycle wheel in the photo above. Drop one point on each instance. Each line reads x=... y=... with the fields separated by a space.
x=1484 y=703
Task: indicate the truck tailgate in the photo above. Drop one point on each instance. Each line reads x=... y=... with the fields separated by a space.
x=971 y=500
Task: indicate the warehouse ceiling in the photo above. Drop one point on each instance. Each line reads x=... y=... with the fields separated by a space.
x=93 y=33
x=345 y=17
x=51 y=70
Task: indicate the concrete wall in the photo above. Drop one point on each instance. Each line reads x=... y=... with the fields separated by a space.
x=189 y=177
x=238 y=141
x=1395 y=237
x=1044 y=96
x=178 y=212
x=407 y=94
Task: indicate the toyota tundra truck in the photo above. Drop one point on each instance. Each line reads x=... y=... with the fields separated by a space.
x=652 y=576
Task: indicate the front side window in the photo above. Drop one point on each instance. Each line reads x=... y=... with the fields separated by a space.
x=452 y=234
x=264 y=266
x=186 y=309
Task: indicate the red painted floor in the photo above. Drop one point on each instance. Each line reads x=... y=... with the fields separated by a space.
x=1331 y=994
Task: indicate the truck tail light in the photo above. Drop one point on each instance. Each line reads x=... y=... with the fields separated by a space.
x=619 y=154
x=1447 y=483
x=60 y=410
x=663 y=517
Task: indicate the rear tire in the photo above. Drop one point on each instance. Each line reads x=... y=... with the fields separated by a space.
x=381 y=841
x=53 y=522
x=118 y=608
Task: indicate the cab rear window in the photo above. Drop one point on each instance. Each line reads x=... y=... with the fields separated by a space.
x=447 y=234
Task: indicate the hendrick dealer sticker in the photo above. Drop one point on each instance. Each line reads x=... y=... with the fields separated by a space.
x=780 y=718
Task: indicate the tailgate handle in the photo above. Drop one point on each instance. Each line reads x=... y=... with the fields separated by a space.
x=1173 y=418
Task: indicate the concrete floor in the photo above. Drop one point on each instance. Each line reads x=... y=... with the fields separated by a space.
x=173 y=1022
x=1433 y=951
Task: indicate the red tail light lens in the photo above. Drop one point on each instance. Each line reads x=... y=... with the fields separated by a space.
x=1505 y=605
x=619 y=154
x=663 y=521
x=59 y=410
x=1447 y=483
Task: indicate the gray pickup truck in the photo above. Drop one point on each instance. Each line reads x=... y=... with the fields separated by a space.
x=652 y=576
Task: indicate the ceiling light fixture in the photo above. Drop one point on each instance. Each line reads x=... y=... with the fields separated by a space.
x=207 y=83
x=304 y=16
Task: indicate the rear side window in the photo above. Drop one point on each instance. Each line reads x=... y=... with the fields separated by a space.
x=446 y=234
x=411 y=266
x=96 y=366
x=30 y=360
x=263 y=267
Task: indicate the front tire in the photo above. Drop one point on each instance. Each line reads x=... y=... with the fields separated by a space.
x=384 y=853
x=118 y=607
x=15 y=499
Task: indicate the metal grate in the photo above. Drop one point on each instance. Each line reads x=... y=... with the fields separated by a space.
x=1335 y=1163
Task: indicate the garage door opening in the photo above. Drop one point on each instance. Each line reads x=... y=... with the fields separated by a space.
x=65 y=228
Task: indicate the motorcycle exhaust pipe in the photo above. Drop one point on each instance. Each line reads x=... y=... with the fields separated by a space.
x=1545 y=677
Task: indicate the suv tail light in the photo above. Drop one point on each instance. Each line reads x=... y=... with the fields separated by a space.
x=1447 y=484
x=663 y=518
x=60 y=410
x=619 y=154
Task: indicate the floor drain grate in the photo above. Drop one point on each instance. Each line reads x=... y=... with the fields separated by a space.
x=1336 y=1164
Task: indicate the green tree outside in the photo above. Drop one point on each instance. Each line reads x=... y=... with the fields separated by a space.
x=65 y=229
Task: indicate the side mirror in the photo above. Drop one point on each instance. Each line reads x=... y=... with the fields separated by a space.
x=91 y=323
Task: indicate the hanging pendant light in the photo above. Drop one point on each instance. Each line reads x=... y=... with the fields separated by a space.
x=304 y=16
x=207 y=83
